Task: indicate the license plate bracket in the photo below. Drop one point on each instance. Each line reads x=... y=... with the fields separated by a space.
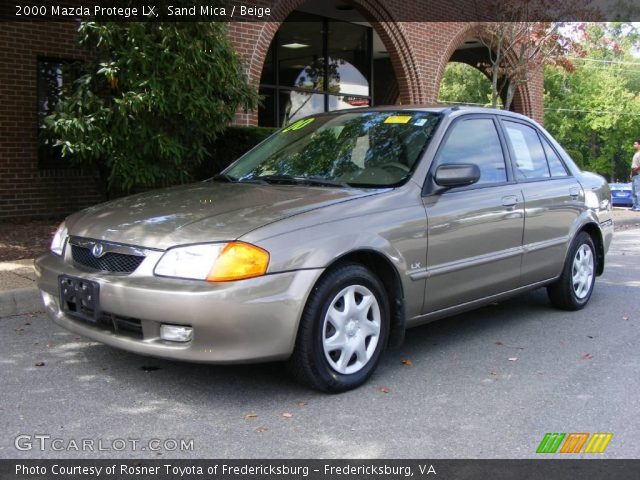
x=80 y=298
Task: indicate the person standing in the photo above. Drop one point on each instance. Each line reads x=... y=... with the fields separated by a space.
x=635 y=177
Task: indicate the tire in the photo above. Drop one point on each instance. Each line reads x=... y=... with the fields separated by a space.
x=343 y=330
x=573 y=289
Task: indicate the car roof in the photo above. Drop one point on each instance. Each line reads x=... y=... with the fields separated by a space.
x=452 y=110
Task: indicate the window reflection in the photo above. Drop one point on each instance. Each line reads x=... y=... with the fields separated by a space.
x=315 y=65
x=475 y=141
x=52 y=77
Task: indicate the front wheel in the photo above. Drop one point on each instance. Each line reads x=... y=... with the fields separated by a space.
x=343 y=330
x=573 y=289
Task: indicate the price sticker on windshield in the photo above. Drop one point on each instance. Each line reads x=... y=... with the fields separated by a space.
x=398 y=119
x=298 y=125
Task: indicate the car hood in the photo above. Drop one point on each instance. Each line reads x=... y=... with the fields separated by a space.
x=202 y=212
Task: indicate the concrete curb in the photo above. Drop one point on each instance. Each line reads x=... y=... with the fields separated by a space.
x=20 y=300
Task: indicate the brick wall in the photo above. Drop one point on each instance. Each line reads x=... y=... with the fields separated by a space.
x=418 y=51
x=26 y=190
x=418 y=54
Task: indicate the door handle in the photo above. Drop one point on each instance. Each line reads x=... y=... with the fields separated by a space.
x=574 y=192
x=510 y=201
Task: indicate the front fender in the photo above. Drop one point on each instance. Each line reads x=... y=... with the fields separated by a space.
x=399 y=234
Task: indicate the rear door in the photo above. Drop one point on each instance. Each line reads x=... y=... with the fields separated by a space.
x=475 y=232
x=553 y=200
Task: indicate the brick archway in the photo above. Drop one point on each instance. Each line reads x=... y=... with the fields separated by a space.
x=527 y=98
x=252 y=42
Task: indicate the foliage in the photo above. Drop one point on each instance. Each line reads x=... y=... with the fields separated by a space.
x=518 y=46
x=462 y=83
x=594 y=111
x=150 y=99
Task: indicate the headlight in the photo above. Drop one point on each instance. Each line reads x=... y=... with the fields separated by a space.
x=214 y=262
x=59 y=239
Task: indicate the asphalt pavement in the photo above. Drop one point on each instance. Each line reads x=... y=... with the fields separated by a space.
x=486 y=384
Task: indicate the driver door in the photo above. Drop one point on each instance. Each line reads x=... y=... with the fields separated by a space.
x=475 y=232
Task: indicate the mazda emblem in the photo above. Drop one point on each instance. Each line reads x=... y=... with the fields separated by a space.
x=97 y=250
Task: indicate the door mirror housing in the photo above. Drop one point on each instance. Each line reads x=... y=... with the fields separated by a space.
x=457 y=174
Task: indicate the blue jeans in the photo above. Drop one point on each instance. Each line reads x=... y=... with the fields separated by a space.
x=635 y=185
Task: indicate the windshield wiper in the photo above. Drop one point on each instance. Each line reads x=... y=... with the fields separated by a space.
x=290 y=179
x=223 y=177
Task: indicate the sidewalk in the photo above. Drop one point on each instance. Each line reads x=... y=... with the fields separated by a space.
x=18 y=293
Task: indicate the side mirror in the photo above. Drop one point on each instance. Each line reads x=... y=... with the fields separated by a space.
x=457 y=174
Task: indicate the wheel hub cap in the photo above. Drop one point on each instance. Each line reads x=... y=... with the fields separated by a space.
x=582 y=271
x=351 y=329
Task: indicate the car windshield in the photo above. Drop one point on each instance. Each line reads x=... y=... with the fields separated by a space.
x=360 y=149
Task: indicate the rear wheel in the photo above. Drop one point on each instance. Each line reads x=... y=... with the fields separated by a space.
x=573 y=289
x=343 y=330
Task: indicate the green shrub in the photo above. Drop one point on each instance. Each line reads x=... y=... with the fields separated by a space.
x=152 y=96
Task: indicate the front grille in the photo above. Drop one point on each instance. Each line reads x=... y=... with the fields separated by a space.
x=121 y=325
x=130 y=327
x=109 y=262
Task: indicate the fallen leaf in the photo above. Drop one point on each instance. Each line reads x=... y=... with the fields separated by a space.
x=508 y=346
x=149 y=368
x=251 y=415
x=287 y=415
x=302 y=403
x=40 y=364
x=383 y=389
x=513 y=359
x=407 y=362
x=261 y=429
x=587 y=356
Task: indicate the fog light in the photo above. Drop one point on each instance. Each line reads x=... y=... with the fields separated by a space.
x=176 y=333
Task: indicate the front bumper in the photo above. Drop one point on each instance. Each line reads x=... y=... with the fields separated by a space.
x=233 y=322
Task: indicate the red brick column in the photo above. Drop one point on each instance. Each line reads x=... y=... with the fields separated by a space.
x=26 y=190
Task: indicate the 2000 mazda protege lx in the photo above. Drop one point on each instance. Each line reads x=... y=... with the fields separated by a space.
x=326 y=241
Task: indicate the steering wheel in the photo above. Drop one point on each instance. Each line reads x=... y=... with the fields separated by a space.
x=395 y=165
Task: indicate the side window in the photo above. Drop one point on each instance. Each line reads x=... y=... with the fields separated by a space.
x=556 y=166
x=530 y=159
x=475 y=141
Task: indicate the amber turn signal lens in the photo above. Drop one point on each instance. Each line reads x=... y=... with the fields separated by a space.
x=238 y=261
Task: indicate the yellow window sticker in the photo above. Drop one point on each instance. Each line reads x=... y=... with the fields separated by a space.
x=298 y=125
x=398 y=119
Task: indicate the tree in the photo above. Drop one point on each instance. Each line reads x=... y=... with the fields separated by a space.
x=518 y=46
x=594 y=111
x=462 y=83
x=150 y=99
